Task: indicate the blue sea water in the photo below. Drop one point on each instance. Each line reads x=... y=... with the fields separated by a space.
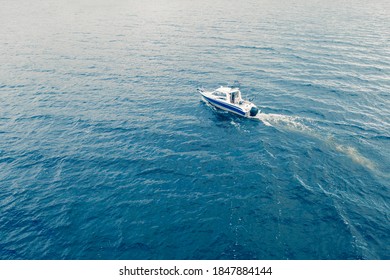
x=108 y=152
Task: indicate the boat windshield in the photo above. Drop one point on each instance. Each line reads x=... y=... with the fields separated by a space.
x=219 y=94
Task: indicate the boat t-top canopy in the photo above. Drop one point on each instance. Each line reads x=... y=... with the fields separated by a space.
x=227 y=90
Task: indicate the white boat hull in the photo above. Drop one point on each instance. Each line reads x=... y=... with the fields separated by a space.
x=243 y=109
x=225 y=106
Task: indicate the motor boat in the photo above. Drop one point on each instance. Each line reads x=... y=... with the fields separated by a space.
x=229 y=99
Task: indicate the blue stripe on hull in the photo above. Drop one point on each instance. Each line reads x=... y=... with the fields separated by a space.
x=229 y=107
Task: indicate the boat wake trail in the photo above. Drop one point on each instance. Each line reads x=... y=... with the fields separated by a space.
x=313 y=129
x=354 y=154
x=283 y=121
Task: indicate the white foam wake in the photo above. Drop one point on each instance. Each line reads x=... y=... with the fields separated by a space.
x=298 y=124
x=354 y=154
x=288 y=122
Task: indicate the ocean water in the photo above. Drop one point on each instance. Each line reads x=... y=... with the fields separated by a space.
x=108 y=152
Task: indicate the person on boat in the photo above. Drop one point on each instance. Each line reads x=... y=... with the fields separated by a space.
x=233 y=98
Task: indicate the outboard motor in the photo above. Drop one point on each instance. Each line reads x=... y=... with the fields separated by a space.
x=253 y=112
